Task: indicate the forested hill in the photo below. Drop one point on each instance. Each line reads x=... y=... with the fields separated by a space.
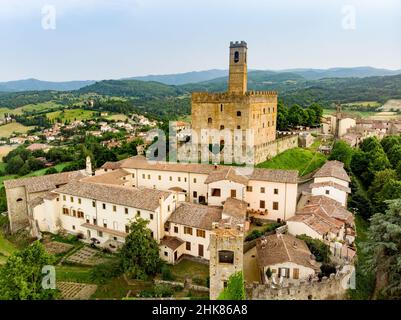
x=133 y=88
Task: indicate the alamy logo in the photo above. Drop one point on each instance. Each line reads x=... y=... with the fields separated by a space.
x=49 y=17
x=49 y=278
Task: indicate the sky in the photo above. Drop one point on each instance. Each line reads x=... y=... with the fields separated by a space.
x=60 y=40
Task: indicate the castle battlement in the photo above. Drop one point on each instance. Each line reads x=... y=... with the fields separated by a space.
x=229 y=96
x=238 y=44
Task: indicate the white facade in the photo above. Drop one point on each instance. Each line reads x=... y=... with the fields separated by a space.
x=331 y=192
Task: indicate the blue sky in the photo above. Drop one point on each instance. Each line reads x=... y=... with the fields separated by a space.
x=108 y=39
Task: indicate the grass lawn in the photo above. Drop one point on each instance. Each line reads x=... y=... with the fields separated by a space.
x=187 y=268
x=71 y=114
x=7 y=129
x=6 y=249
x=73 y=274
x=118 y=288
x=303 y=160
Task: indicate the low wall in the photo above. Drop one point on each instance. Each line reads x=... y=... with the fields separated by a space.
x=275 y=147
x=183 y=285
x=334 y=287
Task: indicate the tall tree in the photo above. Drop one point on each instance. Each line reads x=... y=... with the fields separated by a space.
x=140 y=252
x=235 y=289
x=342 y=152
x=21 y=277
x=383 y=246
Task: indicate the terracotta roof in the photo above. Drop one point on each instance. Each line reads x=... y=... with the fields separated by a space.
x=226 y=173
x=236 y=209
x=112 y=177
x=282 y=248
x=215 y=172
x=172 y=242
x=141 y=198
x=282 y=176
x=105 y=230
x=323 y=215
x=333 y=169
x=196 y=215
x=35 y=202
x=37 y=146
x=44 y=183
x=330 y=184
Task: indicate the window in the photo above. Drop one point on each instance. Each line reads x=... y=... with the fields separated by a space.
x=226 y=256
x=165 y=253
x=100 y=233
x=143 y=176
x=249 y=188
x=195 y=194
x=168 y=208
x=58 y=199
x=79 y=200
x=126 y=229
x=73 y=227
x=221 y=108
x=126 y=210
x=209 y=120
x=179 y=179
x=74 y=213
x=95 y=221
x=104 y=223
x=160 y=177
x=194 y=180
x=264 y=110
x=80 y=214
x=216 y=192
x=64 y=198
x=104 y=206
x=171 y=178
x=149 y=176
x=188 y=246
x=114 y=208
x=236 y=56
x=262 y=204
x=151 y=216
x=275 y=205
x=93 y=203
x=133 y=175
x=66 y=211
x=175 y=229
x=72 y=199
x=151 y=234
x=185 y=179
x=327 y=191
x=221 y=127
x=238 y=127
x=200 y=233
x=284 y=272
x=275 y=191
x=138 y=213
x=238 y=113
x=233 y=193
x=188 y=230
x=295 y=273
x=262 y=190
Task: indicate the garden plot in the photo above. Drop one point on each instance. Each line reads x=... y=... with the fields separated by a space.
x=55 y=247
x=76 y=291
x=86 y=256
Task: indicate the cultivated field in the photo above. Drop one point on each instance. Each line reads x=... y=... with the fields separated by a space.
x=71 y=114
x=7 y=129
x=393 y=104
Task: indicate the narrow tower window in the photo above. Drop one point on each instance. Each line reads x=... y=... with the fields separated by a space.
x=236 y=56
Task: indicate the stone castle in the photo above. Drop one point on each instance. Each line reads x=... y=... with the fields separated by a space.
x=236 y=111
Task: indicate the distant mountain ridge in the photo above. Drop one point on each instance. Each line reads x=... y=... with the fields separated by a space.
x=39 y=85
x=207 y=76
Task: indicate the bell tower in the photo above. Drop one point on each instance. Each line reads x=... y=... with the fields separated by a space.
x=237 y=80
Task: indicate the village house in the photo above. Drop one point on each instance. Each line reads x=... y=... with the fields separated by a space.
x=17 y=140
x=38 y=146
x=286 y=258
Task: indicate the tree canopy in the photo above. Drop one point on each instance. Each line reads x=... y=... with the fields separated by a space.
x=235 y=289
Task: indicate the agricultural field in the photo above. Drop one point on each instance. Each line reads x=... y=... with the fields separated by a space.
x=40 y=107
x=117 y=117
x=4 y=150
x=372 y=104
x=303 y=160
x=8 y=129
x=71 y=115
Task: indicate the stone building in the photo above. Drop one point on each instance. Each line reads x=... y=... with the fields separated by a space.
x=230 y=117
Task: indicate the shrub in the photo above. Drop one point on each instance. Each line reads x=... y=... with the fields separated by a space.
x=326 y=269
x=198 y=281
x=319 y=249
x=51 y=171
x=101 y=273
x=167 y=275
x=158 y=291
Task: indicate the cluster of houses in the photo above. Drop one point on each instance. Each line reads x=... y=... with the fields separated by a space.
x=183 y=202
x=321 y=214
x=354 y=130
